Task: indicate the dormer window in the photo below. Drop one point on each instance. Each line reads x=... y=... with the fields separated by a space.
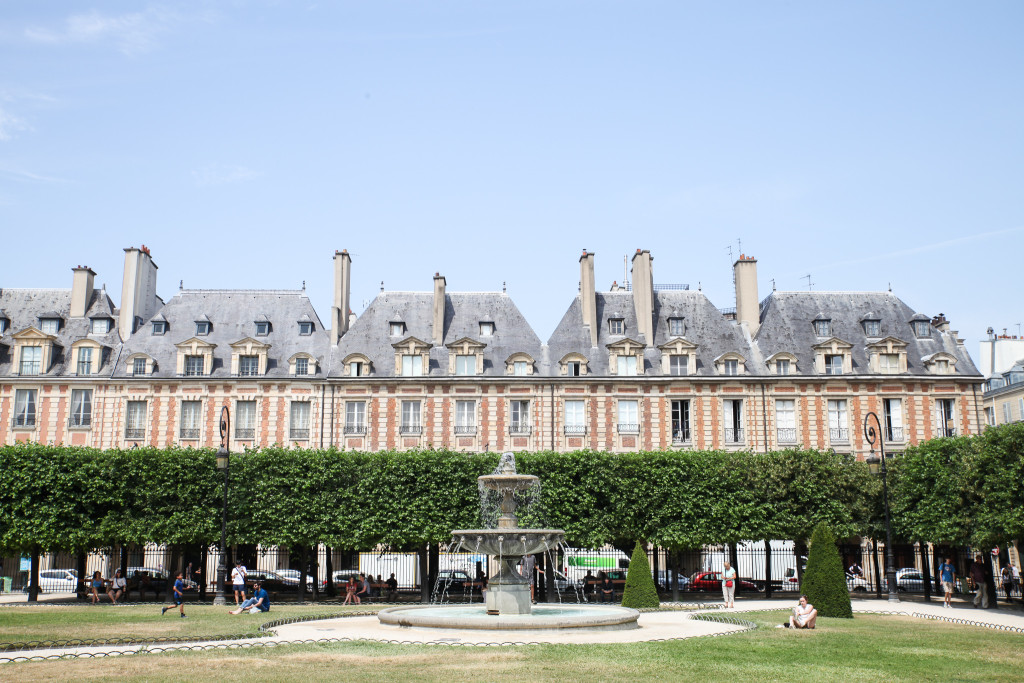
x=248 y=366
x=676 y=327
x=262 y=328
x=203 y=328
x=159 y=327
x=4 y=322
x=49 y=325
x=305 y=328
x=872 y=328
x=465 y=364
x=412 y=365
x=99 y=325
x=486 y=329
x=574 y=368
x=573 y=365
x=397 y=329
x=822 y=327
x=194 y=366
x=616 y=326
x=833 y=364
x=731 y=364
x=626 y=366
x=922 y=329
x=301 y=367
x=84 y=361
x=519 y=364
x=782 y=366
x=31 y=360
x=139 y=366
x=782 y=363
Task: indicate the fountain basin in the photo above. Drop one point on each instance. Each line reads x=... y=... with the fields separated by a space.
x=508 y=481
x=508 y=542
x=599 y=618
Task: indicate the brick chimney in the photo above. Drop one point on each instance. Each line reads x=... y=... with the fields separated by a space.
x=747 y=304
x=81 y=291
x=342 y=293
x=643 y=294
x=138 y=290
x=439 y=305
x=588 y=297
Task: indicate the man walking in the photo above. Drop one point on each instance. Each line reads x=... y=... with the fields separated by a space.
x=978 y=577
x=947 y=575
x=238 y=582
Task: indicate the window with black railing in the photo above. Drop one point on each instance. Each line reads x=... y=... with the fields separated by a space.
x=410 y=429
x=839 y=434
x=521 y=428
x=465 y=429
x=786 y=434
x=190 y=433
x=575 y=429
x=245 y=433
x=734 y=435
x=134 y=433
x=355 y=429
x=628 y=428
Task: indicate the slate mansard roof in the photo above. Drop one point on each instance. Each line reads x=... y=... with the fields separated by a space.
x=370 y=333
x=232 y=315
x=24 y=308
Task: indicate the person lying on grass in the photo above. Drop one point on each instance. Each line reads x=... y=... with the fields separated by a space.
x=804 y=615
x=259 y=602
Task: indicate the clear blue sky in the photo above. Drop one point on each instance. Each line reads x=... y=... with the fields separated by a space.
x=863 y=143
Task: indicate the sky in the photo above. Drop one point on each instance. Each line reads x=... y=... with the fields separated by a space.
x=866 y=145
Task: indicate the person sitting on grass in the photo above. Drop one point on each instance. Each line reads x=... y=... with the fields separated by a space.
x=259 y=602
x=117 y=587
x=804 y=615
x=177 y=595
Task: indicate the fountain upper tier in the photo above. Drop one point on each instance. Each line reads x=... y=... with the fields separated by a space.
x=505 y=481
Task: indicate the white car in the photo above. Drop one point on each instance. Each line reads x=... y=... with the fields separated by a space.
x=58 y=580
x=857 y=584
x=292 y=576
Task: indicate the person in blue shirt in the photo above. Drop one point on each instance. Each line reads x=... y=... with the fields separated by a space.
x=947 y=575
x=259 y=602
x=177 y=595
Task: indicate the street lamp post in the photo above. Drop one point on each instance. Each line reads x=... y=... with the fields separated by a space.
x=224 y=465
x=873 y=434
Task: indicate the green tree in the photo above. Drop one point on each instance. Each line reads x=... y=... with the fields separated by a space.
x=640 y=592
x=824 y=581
x=997 y=473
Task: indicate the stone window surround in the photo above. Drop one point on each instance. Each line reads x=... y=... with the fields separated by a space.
x=891 y=346
x=195 y=347
x=741 y=363
x=346 y=364
x=411 y=346
x=32 y=337
x=572 y=356
x=678 y=347
x=625 y=347
x=781 y=355
x=510 y=363
x=466 y=347
x=833 y=347
x=97 y=355
x=249 y=347
x=130 y=363
x=934 y=367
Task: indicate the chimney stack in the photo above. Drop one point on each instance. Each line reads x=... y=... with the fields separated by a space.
x=747 y=304
x=439 y=306
x=81 y=291
x=643 y=294
x=138 y=290
x=342 y=290
x=588 y=298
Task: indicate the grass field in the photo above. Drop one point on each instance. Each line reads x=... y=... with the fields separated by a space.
x=867 y=648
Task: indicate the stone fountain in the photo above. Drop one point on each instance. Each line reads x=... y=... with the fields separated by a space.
x=508 y=605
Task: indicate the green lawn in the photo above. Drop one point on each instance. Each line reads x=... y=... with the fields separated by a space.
x=54 y=622
x=867 y=648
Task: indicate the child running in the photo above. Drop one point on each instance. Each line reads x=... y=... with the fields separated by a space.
x=178 y=596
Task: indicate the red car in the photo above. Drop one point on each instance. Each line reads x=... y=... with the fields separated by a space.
x=711 y=582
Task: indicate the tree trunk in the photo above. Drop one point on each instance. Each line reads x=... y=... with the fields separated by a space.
x=424 y=575
x=330 y=572
x=33 y=577
x=767 y=568
x=926 y=572
x=81 y=592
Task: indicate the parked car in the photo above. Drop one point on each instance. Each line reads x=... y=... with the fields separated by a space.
x=456 y=580
x=340 y=578
x=909 y=579
x=292 y=577
x=58 y=580
x=667 y=576
x=712 y=582
x=270 y=581
x=857 y=584
x=147 y=580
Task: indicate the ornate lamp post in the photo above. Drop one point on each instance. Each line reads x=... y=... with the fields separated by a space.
x=873 y=434
x=224 y=465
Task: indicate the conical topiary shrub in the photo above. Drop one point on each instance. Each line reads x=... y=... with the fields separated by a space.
x=824 y=579
x=640 y=591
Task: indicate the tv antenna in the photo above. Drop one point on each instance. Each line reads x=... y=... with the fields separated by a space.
x=809 y=283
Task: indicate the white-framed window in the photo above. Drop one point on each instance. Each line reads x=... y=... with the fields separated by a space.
x=823 y=328
x=626 y=366
x=355 y=417
x=922 y=329
x=159 y=328
x=730 y=367
x=680 y=421
x=575 y=417
x=397 y=329
x=1020 y=408
x=519 y=368
x=678 y=364
x=465 y=417
x=990 y=416
x=945 y=411
x=838 y=427
x=833 y=364
x=872 y=328
x=81 y=408
x=486 y=329
x=519 y=417
x=465 y=364
x=629 y=416
x=245 y=420
x=616 y=326
x=782 y=366
x=298 y=425
x=412 y=365
x=411 y=418
x=574 y=368
x=49 y=325
x=248 y=366
x=31 y=360
x=262 y=328
x=1007 y=416
x=194 y=366
x=785 y=420
x=305 y=328
x=84 y=361
x=203 y=328
x=24 y=408
x=99 y=325
x=301 y=366
x=889 y=363
x=892 y=409
x=732 y=418
x=138 y=366
x=191 y=419
x=135 y=420
x=676 y=328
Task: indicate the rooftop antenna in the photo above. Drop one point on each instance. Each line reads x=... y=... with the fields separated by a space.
x=729 y=249
x=504 y=287
x=1018 y=329
x=739 y=245
x=625 y=277
x=303 y=285
x=890 y=287
x=382 y=285
x=773 y=284
x=181 y=285
x=809 y=283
